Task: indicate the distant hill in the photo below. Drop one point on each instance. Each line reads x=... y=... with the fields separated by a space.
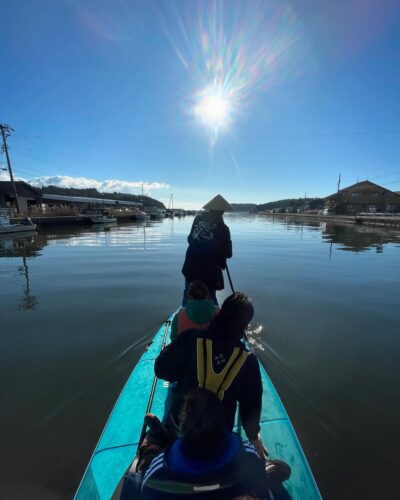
x=313 y=203
x=244 y=207
x=93 y=193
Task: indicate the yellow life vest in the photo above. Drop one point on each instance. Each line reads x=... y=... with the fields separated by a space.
x=206 y=376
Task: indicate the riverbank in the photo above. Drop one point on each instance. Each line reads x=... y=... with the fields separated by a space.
x=389 y=221
x=73 y=220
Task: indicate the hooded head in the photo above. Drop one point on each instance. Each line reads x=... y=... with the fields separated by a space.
x=218 y=204
x=198 y=290
x=202 y=423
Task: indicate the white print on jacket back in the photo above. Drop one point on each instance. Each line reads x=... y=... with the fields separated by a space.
x=204 y=231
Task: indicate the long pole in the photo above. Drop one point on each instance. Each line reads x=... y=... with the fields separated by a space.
x=154 y=385
x=229 y=278
x=5 y=129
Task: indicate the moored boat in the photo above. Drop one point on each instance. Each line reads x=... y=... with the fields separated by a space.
x=140 y=215
x=158 y=214
x=97 y=216
x=7 y=228
x=119 y=441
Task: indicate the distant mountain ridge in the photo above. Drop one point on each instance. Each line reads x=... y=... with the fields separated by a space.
x=244 y=207
x=93 y=193
x=292 y=203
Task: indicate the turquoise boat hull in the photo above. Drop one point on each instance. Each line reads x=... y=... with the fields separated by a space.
x=118 y=444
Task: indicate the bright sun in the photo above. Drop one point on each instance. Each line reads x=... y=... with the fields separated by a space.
x=214 y=110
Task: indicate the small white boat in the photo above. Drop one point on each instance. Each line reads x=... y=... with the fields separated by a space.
x=159 y=213
x=140 y=215
x=97 y=216
x=7 y=228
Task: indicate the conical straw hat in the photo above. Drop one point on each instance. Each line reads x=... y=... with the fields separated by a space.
x=218 y=204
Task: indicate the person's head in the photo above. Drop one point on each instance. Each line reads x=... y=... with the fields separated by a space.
x=198 y=290
x=236 y=313
x=202 y=423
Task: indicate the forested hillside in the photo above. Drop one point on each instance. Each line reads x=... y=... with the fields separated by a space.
x=293 y=203
x=244 y=207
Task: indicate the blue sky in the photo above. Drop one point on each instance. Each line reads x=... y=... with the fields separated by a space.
x=100 y=91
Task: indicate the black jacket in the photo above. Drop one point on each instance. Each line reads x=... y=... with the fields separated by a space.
x=178 y=363
x=209 y=246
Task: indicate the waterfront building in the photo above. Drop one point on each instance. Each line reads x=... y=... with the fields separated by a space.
x=32 y=200
x=364 y=196
x=61 y=201
x=28 y=196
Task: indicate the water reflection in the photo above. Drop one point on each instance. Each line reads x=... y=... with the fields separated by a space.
x=18 y=245
x=329 y=338
x=356 y=238
x=350 y=238
x=136 y=236
x=23 y=246
x=29 y=301
x=111 y=234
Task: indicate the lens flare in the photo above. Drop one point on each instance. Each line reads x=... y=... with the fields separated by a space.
x=231 y=52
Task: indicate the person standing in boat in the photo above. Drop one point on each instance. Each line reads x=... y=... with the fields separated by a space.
x=209 y=246
x=197 y=313
x=218 y=360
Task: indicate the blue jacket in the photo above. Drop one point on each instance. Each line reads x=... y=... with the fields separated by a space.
x=234 y=471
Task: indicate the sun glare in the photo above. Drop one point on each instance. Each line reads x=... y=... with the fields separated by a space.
x=214 y=110
x=234 y=54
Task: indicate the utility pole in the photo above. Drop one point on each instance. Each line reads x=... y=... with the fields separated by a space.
x=142 y=188
x=338 y=184
x=5 y=132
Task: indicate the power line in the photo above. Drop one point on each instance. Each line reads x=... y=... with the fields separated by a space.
x=202 y=137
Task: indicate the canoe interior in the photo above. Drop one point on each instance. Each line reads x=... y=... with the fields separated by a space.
x=118 y=444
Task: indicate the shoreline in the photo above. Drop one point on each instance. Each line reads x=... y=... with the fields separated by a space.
x=72 y=220
x=389 y=222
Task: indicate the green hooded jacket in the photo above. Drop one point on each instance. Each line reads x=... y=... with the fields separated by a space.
x=198 y=311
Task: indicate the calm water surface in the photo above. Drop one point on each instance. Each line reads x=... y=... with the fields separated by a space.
x=78 y=305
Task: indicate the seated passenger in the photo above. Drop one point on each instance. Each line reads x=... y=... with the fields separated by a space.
x=197 y=313
x=217 y=359
x=207 y=462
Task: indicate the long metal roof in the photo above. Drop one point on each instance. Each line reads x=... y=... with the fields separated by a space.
x=83 y=199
